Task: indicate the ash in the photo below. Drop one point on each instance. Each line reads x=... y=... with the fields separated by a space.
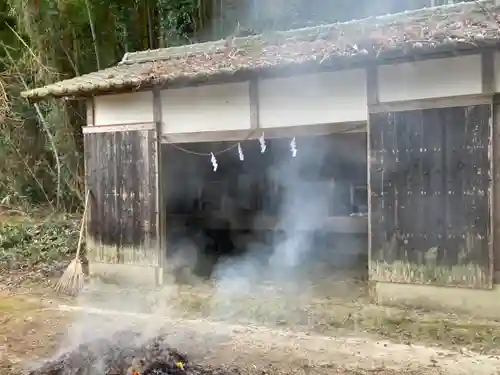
x=125 y=354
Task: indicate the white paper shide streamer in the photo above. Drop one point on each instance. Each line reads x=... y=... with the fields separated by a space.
x=263 y=145
x=213 y=160
x=293 y=147
x=240 y=152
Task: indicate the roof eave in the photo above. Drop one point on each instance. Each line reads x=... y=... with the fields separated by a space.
x=333 y=63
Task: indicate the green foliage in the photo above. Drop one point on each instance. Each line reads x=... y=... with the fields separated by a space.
x=34 y=242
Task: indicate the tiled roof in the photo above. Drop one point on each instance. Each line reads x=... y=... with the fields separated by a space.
x=424 y=31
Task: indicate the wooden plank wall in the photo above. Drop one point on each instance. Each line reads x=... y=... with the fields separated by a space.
x=121 y=172
x=430 y=201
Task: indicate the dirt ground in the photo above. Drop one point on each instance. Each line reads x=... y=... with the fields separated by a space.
x=285 y=335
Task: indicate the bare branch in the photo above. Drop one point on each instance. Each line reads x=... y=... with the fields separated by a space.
x=46 y=129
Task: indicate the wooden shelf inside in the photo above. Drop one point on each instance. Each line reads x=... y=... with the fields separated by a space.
x=337 y=224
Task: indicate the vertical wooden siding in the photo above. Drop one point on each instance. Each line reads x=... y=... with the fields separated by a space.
x=430 y=197
x=121 y=175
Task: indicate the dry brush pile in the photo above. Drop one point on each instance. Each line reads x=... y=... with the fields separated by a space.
x=125 y=354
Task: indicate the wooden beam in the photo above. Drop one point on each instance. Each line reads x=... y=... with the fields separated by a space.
x=282 y=132
x=372 y=90
x=90 y=107
x=488 y=71
x=254 y=104
x=335 y=224
x=447 y=102
x=119 y=128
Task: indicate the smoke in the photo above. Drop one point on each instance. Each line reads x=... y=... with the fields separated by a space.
x=287 y=260
x=239 y=18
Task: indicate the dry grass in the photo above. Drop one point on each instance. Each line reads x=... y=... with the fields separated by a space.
x=344 y=309
x=27 y=330
x=30 y=331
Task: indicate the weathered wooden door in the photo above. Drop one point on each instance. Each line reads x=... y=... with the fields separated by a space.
x=430 y=196
x=122 y=175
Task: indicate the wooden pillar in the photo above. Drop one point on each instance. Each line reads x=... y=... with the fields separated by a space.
x=372 y=94
x=495 y=194
x=90 y=109
x=161 y=225
x=253 y=94
x=488 y=87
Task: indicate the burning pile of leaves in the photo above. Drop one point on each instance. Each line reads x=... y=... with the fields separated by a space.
x=125 y=354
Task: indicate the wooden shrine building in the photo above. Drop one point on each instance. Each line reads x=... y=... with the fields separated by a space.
x=422 y=87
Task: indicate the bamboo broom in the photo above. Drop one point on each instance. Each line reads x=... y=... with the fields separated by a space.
x=71 y=282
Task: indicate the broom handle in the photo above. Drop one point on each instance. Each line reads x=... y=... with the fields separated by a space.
x=82 y=226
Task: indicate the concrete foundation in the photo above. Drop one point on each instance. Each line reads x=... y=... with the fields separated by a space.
x=481 y=303
x=125 y=274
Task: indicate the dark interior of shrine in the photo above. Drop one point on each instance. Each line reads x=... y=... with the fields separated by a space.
x=271 y=206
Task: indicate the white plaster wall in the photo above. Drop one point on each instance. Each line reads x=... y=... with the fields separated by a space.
x=313 y=99
x=121 y=109
x=206 y=108
x=321 y=98
x=430 y=79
